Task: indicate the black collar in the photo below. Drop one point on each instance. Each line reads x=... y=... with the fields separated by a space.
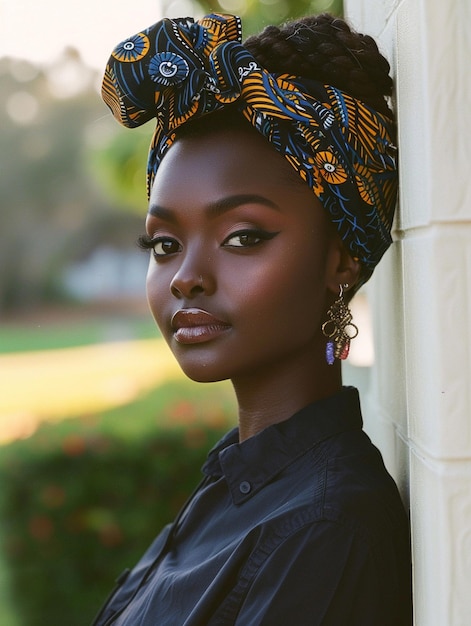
x=250 y=465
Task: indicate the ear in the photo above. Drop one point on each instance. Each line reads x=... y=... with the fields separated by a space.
x=342 y=268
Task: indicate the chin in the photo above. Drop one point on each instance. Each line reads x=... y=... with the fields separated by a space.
x=201 y=378
x=202 y=373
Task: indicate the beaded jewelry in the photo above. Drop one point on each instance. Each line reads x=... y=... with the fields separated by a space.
x=339 y=329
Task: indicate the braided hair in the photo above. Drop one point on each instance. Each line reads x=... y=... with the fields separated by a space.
x=324 y=48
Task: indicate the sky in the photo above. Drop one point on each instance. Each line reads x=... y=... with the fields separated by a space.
x=39 y=30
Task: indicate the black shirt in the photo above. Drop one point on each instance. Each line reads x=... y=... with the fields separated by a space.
x=300 y=524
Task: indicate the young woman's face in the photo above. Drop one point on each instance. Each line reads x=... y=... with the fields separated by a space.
x=237 y=277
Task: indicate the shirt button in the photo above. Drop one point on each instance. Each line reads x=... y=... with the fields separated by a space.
x=245 y=487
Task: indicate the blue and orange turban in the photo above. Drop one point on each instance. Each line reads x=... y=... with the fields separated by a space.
x=178 y=70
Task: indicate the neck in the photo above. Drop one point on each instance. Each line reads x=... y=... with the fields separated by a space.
x=278 y=393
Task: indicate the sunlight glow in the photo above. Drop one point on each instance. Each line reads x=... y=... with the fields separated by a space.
x=22 y=107
x=40 y=31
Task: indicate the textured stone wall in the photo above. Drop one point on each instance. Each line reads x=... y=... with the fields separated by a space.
x=418 y=407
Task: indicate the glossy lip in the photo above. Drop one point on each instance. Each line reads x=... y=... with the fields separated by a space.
x=197 y=326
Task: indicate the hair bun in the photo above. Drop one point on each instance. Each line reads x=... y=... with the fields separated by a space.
x=326 y=49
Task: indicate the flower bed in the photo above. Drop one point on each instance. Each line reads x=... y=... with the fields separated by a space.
x=81 y=500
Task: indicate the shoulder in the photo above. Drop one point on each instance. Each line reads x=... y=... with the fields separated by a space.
x=341 y=552
x=359 y=491
x=341 y=488
x=335 y=563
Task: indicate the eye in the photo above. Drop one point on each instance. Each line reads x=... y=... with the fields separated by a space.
x=247 y=238
x=160 y=246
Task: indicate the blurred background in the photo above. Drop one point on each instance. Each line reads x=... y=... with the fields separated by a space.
x=101 y=438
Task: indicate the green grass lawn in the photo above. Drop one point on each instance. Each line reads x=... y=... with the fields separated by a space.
x=96 y=329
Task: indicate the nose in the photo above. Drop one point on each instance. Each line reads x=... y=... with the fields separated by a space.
x=192 y=279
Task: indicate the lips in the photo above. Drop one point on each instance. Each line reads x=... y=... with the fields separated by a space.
x=197 y=326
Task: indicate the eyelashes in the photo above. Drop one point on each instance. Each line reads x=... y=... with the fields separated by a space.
x=144 y=242
x=160 y=246
x=164 y=245
x=248 y=237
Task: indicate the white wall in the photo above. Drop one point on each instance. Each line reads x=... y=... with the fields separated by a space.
x=419 y=403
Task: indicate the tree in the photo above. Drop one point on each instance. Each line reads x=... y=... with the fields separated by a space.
x=256 y=14
x=52 y=210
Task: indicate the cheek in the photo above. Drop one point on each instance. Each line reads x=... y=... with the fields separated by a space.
x=288 y=290
x=302 y=272
x=157 y=292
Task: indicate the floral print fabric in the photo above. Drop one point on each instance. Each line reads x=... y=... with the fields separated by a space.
x=180 y=69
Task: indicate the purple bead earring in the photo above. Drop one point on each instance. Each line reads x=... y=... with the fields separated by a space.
x=339 y=329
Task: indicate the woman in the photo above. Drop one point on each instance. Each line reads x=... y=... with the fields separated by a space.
x=272 y=184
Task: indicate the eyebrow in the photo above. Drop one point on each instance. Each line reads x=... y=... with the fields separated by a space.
x=215 y=209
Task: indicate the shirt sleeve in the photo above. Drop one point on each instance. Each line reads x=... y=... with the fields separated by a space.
x=327 y=574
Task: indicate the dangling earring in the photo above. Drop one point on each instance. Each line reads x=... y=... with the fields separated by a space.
x=338 y=329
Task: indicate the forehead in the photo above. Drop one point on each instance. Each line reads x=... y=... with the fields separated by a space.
x=231 y=160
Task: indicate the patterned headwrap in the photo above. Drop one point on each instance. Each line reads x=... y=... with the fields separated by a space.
x=178 y=70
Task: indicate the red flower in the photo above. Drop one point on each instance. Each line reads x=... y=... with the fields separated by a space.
x=74 y=445
x=41 y=527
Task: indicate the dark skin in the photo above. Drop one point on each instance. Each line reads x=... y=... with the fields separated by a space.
x=245 y=264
